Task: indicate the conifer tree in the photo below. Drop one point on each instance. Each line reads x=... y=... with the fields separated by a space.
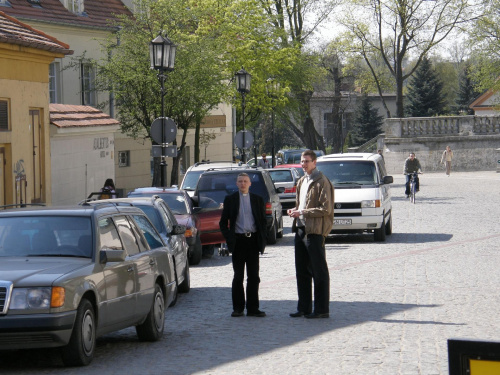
x=367 y=122
x=425 y=93
x=466 y=91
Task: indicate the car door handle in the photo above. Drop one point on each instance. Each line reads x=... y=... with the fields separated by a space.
x=152 y=262
x=130 y=269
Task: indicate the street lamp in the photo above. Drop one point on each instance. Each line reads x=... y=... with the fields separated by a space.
x=243 y=86
x=272 y=87
x=162 y=58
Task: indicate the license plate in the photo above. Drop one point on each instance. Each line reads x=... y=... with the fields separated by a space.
x=342 y=222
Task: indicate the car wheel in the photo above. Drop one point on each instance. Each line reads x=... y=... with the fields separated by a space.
x=185 y=286
x=280 y=230
x=81 y=346
x=380 y=233
x=388 y=226
x=271 y=234
x=196 y=253
x=152 y=328
x=208 y=251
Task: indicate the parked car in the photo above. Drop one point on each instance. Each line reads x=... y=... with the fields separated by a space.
x=277 y=160
x=213 y=186
x=181 y=205
x=286 y=178
x=362 y=193
x=71 y=274
x=296 y=166
x=194 y=172
x=166 y=224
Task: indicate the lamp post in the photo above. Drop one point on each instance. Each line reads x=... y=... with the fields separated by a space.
x=162 y=58
x=243 y=86
x=272 y=87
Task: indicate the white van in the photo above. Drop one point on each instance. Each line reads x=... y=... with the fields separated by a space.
x=362 y=193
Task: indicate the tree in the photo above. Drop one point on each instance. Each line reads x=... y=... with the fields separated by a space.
x=403 y=28
x=367 y=123
x=466 y=91
x=425 y=97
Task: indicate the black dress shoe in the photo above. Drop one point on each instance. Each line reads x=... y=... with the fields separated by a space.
x=236 y=314
x=297 y=314
x=258 y=313
x=317 y=315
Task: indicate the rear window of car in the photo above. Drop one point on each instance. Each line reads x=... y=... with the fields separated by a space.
x=216 y=186
x=349 y=172
x=176 y=202
x=281 y=176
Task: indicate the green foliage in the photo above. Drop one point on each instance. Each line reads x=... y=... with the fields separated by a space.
x=367 y=123
x=466 y=92
x=425 y=92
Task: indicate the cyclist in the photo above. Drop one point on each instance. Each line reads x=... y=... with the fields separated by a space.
x=411 y=165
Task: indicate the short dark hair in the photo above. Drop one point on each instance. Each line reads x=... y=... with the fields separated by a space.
x=310 y=153
x=243 y=174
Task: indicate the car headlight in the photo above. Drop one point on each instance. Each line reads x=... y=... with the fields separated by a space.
x=36 y=298
x=370 y=204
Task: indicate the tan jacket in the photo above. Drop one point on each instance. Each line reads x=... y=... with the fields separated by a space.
x=318 y=212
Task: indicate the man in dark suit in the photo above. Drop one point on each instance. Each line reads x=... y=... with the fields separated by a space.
x=243 y=224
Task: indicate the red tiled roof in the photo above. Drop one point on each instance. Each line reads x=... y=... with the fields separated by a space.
x=13 y=31
x=67 y=116
x=98 y=13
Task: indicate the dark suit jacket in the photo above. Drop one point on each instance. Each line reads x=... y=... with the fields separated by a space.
x=230 y=213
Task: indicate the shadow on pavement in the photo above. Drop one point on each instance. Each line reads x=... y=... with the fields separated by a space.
x=212 y=337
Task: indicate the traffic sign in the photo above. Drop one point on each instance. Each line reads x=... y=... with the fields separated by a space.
x=238 y=139
x=170 y=130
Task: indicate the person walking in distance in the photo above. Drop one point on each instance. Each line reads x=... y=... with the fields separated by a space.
x=313 y=221
x=264 y=163
x=243 y=224
x=446 y=159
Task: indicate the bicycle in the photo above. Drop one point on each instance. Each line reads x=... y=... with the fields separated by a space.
x=413 y=185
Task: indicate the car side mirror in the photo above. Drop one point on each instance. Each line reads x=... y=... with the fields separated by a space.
x=179 y=229
x=109 y=255
x=195 y=201
x=388 y=180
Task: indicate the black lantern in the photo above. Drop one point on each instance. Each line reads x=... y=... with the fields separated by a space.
x=162 y=54
x=243 y=81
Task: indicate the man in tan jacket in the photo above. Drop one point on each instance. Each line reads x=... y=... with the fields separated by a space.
x=313 y=221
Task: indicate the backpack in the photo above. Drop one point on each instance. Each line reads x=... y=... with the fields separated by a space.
x=106 y=193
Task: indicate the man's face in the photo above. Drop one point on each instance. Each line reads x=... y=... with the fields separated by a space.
x=412 y=156
x=243 y=183
x=264 y=156
x=308 y=164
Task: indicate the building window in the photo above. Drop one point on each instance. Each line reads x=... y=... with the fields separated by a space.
x=74 y=6
x=4 y=114
x=124 y=158
x=54 y=82
x=88 y=84
x=4 y=3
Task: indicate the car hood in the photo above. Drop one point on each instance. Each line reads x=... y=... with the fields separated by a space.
x=38 y=271
x=344 y=195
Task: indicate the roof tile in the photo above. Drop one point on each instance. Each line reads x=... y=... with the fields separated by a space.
x=67 y=115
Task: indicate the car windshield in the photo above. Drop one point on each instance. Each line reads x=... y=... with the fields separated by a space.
x=151 y=213
x=39 y=235
x=213 y=188
x=176 y=202
x=349 y=172
x=281 y=176
x=191 y=180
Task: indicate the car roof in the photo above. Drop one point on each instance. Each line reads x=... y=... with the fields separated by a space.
x=288 y=166
x=152 y=189
x=214 y=164
x=85 y=209
x=350 y=156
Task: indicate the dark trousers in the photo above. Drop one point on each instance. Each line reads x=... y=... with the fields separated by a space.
x=310 y=264
x=407 y=185
x=246 y=253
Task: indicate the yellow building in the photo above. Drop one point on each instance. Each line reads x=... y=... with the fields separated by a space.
x=25 y=55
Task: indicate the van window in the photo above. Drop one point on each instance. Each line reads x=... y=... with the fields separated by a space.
x=349 y=172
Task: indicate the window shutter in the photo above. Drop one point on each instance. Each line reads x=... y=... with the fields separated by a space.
x=4 y=115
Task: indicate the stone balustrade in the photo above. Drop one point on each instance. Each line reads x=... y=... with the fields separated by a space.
x=441 y=126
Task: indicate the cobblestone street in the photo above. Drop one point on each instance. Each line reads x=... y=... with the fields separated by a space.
x=393 y=304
